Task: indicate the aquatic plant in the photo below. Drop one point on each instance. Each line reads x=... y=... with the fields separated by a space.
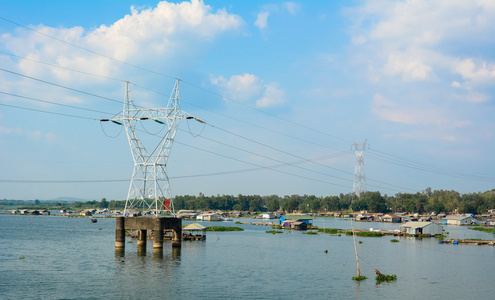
x=223 y=228
x=330 y=230
x=485 y=229
x=441 y=237
x=310 y=232
x=359 y=278
x=384 y=277
x=22 y=257
x=394 y=240
x=273 y=231
x=366 y=233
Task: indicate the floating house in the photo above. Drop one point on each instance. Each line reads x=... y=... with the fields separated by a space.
x=29 y=212
x=459 y=220
x=390 y=218
x=303 y=218
x=187 y=214
x=423 y=228
x=209 y=217
x=268 y=216
x=295 y=224
x=86 y=212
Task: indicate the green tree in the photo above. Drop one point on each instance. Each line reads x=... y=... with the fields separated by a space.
x=103 y=203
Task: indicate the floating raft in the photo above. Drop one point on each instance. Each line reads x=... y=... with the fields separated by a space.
x=469 y=242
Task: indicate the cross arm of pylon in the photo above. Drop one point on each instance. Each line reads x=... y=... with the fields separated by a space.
x=156 y=114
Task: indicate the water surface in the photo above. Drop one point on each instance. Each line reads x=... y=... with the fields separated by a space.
x=72 y=258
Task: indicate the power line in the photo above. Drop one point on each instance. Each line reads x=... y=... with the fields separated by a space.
x=60 y=67
x=397 y=161
x=54 y=103
x=86 y=49
x=48 y=112
x=168 y=76
x=61 y=86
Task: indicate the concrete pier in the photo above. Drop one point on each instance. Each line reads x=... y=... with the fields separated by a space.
x=120 y=233
x=142 y=224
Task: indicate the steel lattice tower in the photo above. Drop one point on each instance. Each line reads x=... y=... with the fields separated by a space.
x=149 y=190
x=359 y=175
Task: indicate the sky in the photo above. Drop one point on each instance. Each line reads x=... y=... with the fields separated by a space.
x=287 y=91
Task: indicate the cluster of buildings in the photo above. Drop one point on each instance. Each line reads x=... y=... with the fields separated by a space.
x=428 y=225
x=465 y=219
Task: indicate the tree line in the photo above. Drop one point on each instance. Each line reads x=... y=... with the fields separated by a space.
x=427 y=201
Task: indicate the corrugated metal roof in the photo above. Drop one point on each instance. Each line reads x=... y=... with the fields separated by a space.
x=297 y=217
x=416 y=224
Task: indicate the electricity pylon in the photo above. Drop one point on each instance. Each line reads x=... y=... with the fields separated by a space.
x=359 y=175
x=149 y=190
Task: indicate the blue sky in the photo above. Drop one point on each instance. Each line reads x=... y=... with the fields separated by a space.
x=285 y=89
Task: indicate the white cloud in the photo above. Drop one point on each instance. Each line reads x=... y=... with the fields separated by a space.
x=456 y=84
x=272 y=96
x=421 y=40
x=262 y=19
x=389 y=111
x=411 y=68
x=250 y=88
x=162 y=35
x=292 y=7
x=240 y=87
x=481 y=72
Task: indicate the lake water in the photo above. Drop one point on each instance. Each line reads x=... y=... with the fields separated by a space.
x=72 y=258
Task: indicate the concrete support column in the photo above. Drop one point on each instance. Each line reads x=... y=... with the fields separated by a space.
x=142 y=235
x=120 y=233
x=158 y=234
x=141 y=242
x=177 y=237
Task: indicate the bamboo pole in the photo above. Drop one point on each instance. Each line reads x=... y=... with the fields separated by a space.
x=355 y=249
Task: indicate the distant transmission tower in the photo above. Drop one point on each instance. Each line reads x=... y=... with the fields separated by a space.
x=149 y=190
x=359 y=176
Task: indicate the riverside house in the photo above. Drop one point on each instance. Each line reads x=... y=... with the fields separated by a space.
x=390 y=218
x=303 y=218
x=422 y=228
x=459 y=220
x=209 y=217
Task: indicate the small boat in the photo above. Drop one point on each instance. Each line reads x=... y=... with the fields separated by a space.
x=94 y=220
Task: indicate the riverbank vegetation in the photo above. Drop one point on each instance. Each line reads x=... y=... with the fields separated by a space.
x=425 y=201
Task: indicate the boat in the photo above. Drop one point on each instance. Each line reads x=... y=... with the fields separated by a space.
x=94 y=220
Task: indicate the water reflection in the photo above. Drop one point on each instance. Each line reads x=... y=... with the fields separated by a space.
x=141 y=250
x=157 y=253
x=119 y=252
